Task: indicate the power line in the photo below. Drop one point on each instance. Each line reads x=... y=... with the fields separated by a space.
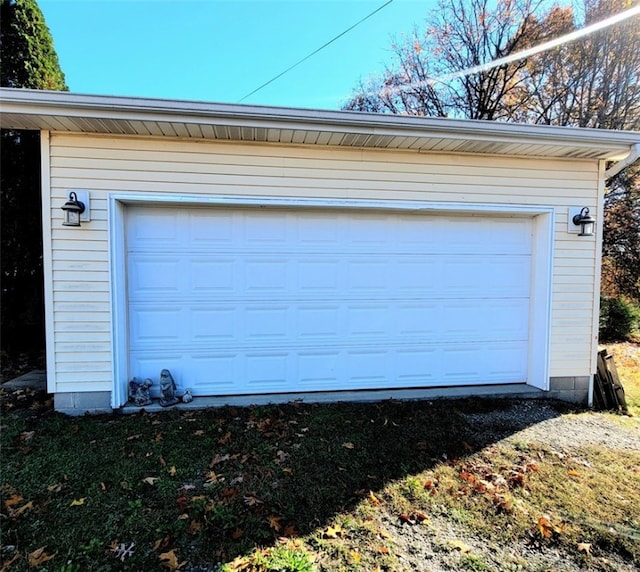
x=317 y=50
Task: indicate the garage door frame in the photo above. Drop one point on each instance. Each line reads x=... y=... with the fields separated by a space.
x=541 y=269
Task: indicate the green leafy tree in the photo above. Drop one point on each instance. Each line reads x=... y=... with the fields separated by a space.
x=27 y=60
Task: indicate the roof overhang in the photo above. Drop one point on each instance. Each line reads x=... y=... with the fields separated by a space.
x=70 y=112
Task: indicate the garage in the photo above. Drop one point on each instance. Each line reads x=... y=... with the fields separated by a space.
x=265 y=255
x=241 y=300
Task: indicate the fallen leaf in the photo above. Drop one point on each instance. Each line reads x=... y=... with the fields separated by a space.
x=355 y=557
x=225 y=438
x=170 y=560
x=573 y=473
x=132 y=437
x=78 y=502
x=237 y=534
x=103 y=486
x=274 y=522
x=38 y=557
x=420 y=516
x=239 y=564
x=333 y=531
x=23 y=508
x=430 y=486
x=251 y=500
x=13 y=500
x=405 y=518
x=150 y=480
x=467 y=477
x=461 y=546
x=348 y=445
x=161 y=544
x=290 y=531
x=218 y=459
x=172 y=471
x=547 y=528
x=194 y=526
x=199 y=432
x=7 y=563
x=383 y=550
x=182 y=502
x=211 y=478
x=584 y=547
x=375 y=501
x=26 y=436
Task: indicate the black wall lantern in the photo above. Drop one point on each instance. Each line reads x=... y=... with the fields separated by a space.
x=585 y=221
x=73 y=208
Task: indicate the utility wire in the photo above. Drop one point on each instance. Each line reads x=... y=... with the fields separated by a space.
x=316 y=51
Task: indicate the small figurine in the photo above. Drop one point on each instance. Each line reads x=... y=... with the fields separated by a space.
x=187 y=396
x=139 y=392
x=168 y=389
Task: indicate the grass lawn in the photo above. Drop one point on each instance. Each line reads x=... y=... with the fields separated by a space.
x=386 y=486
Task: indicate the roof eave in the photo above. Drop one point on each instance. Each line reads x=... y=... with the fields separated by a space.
x=31 y=107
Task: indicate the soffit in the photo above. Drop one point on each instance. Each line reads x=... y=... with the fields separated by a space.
x=68 y=112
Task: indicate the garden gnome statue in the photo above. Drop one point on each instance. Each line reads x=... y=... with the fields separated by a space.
x=168 y=389
x=139 y=392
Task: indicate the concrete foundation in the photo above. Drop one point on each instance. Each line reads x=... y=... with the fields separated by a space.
x=572 y=389
x=76 y=403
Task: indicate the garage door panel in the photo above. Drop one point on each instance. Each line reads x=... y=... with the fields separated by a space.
x=216 y=275
x=318 y=369
x=261 y=228
x=318 y=276
x=267 y=276
x=266 y=371
x=264 y=324
x=154 y=227
x=416 y=275
x=211 y=229
x=214 y=324
x=220 y=371
x=241 y=301
x=319 y=322
x=149 y=274
x=156 y=324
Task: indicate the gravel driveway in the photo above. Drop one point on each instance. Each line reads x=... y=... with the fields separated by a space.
x=421 y=548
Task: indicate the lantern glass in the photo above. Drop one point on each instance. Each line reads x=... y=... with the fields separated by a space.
x=586 y=228
x=71 y=218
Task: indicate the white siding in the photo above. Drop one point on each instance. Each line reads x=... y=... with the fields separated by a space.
x=105 y=164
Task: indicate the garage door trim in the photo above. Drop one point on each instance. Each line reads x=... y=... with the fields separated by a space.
x=541 y=269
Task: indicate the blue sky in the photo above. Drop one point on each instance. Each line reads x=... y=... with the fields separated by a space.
x=220 y=50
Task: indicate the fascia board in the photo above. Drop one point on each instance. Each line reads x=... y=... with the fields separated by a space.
x=46 y=103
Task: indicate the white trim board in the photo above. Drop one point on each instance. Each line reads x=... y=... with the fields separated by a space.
x=538 y=359
x=47 y=258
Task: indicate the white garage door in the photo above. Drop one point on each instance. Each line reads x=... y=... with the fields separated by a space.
x=248 y=301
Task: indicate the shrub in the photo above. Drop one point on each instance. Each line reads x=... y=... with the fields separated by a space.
x=619 y=319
